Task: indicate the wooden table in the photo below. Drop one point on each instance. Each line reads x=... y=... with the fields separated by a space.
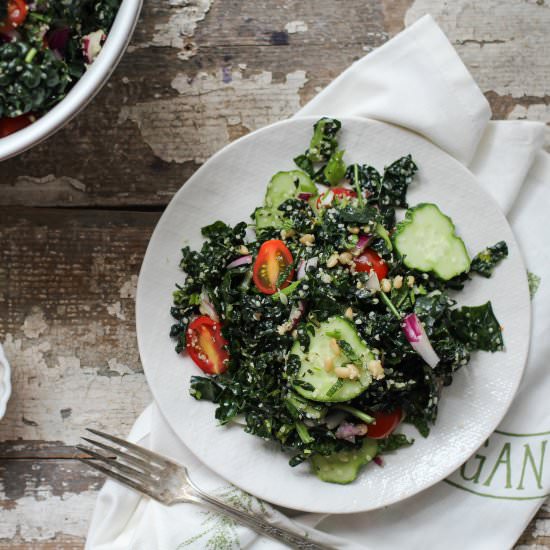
x=76 y=212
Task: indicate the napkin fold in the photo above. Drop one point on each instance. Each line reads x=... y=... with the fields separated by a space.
x=416 y=80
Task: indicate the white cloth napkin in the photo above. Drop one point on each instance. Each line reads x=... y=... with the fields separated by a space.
x=417 y=81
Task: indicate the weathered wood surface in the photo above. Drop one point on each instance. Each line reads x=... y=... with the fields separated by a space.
x=198 y=74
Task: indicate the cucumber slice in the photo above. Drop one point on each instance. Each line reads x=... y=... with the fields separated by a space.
x=266 y=218
x=427 y=241
x=327 y=387
x=343 y=467
x=283 y=186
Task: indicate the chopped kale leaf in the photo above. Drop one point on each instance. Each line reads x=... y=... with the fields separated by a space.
x=478 y=328
x=486 y=261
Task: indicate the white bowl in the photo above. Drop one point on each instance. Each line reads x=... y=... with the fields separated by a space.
x=5 y=383
x=84 y=90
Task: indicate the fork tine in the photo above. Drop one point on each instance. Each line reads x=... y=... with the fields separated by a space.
x=116 y=465
x=138 y=462
x=120 y=478
x=141 y=452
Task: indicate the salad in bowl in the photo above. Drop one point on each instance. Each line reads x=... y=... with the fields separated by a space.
x=330 y=319
x=55 y=55
x=45 y=47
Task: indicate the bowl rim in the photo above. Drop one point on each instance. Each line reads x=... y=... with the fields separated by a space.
x=6 y=381
x=84 y=90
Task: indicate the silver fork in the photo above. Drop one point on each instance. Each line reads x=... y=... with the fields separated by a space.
x=168 y=482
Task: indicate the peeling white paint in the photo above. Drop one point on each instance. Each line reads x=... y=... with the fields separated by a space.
x=542 y=528
x=294 y=27
x=199 y=120
x=34 y=324
x=39 y=519
x=179 y=29
x=108 y=394
x=129 y=288
x=119 y=368
x=115 y=310
x=504 y=44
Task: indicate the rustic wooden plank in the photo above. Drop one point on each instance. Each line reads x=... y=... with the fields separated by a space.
x=67 y=288
x=37 y=449
x=146 y=133
x=46 y=503
x=112 y=164
x=537 y=534
x=192 y=81
x=59 y=542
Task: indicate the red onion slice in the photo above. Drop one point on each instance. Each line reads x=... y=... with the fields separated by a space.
x=417 y=337
x=58 y=38
x=304 y=265
x=378 y=460
x=9 y=35
x=92 y=44
x=305 y=196
x=296 y=313
x=243 y=260
x=362 y=243
x=334 y=419
x=348 y=431
x=207 y=308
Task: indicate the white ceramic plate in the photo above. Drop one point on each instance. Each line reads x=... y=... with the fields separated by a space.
x=228 y=187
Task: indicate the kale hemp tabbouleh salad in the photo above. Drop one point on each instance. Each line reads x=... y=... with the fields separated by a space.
x=333 y=323
x=45 y=47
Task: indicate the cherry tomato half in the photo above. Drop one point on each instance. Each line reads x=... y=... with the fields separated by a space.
x=17 y=13
x=205 y=345
x=340 y=192
x=385 y=424
x=11 y=125
x=273 y=261
x=368 y=261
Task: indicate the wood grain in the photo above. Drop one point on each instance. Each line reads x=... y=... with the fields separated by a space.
x=77 y=211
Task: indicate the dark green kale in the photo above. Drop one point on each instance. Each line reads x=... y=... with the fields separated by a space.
x=305 y=164
x=393 y=443
x=386 y=192
x=260 y=384
x=366 y=177
x=203 y=387
x=321 y=148
x=435 y=312
x=31 y=80
x=39 y=68
x=478 y=328
x=298 y=215
x=395 y=182
x=486 y=261
x=323 y=143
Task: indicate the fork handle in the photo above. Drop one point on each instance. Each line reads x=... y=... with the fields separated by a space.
x=261 y=526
